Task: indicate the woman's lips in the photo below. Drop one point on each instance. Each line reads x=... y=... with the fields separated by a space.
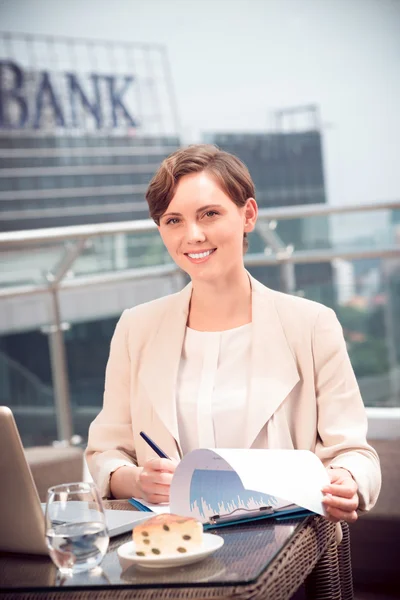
x=200 y=257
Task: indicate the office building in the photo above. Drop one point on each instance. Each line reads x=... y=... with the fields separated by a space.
x=83 y=127
x=76 y=180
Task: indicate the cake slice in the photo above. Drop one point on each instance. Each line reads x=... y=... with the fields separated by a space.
x=167 y=535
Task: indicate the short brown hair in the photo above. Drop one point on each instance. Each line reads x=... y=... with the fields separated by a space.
x=229 y=172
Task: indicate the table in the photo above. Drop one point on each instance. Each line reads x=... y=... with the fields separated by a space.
x=260 y=560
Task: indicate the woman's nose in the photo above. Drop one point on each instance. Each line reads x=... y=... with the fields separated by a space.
x=195 y=233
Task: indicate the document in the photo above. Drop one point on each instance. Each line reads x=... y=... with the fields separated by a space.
x=221 y=486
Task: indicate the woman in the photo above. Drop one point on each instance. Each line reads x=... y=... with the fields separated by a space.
x=226 y=362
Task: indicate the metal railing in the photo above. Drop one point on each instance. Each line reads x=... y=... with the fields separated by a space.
x=19 y=239
x=279 y=254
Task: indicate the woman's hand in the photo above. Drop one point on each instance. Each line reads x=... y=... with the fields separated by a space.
x=155 y=479
x=340 y=497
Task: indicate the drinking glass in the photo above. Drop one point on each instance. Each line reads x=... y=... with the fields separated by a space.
x=76 y=530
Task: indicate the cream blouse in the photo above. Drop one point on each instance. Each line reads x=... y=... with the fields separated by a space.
x=212 y=388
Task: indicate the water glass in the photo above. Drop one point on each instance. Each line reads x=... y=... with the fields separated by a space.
x=76 y=530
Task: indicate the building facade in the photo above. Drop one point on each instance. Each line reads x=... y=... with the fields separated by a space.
x=76 y=180
x=83 y=127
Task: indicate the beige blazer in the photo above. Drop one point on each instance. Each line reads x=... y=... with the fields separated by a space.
x=303 y=392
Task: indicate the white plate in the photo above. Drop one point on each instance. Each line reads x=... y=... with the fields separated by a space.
x=127 y=555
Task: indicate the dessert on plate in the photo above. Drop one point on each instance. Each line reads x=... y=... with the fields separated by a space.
x=167 y=535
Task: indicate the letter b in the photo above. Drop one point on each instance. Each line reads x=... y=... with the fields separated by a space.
x=11 y=96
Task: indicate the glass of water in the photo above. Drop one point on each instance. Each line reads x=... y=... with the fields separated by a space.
x=76 y=530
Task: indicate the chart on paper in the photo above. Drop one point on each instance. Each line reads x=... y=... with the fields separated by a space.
x=217 y=492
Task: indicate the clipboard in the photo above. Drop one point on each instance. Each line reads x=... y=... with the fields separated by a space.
x=264 y=512
x=290 y=511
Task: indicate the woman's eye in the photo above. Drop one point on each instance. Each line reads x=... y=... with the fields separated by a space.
x=211 y=213
x=172 y=221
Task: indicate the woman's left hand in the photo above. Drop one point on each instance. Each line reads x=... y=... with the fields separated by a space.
x=340 y=497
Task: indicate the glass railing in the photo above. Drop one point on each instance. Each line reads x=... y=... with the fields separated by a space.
x=76 y=282
x=370 y=320
x=101 y=255
x=344 y=232
x=29 y=266
x=370 y=317
x=123 y=251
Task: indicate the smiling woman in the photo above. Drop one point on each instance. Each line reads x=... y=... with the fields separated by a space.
x=202 y=226
x=226 y=362
x=202 y=200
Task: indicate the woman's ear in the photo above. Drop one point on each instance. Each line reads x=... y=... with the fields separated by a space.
x=250 y=214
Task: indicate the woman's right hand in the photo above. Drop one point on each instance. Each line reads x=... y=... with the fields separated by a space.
x=155 y=478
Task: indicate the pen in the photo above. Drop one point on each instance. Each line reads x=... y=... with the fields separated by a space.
x=153 y=445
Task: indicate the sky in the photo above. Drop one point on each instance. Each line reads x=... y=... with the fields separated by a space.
x=234 y=62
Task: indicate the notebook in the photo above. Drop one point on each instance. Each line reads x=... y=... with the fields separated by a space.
x=220 y=487
x=21 y=513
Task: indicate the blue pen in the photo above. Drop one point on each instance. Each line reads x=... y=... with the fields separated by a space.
x=153 y=445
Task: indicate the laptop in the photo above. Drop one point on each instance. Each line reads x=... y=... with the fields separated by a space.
x=22 y=525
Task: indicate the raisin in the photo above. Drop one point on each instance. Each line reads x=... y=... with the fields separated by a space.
x=181 y=549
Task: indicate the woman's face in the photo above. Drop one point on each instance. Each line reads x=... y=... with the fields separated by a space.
x=203 y=228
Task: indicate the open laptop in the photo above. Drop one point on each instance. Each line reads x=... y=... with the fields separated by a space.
x=21 y=513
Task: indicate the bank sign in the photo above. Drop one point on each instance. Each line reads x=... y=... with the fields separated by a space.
x=50 y=100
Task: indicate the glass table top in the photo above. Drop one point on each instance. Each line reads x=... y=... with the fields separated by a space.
x=247 y=551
